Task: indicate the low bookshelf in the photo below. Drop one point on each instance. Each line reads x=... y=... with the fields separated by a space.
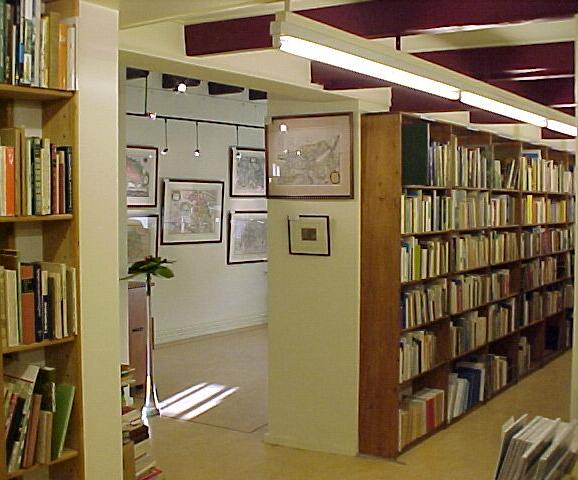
x=467 y=255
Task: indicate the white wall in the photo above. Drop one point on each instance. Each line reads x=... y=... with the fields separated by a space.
x=313 y=308
x=206 y=295
x=98 y=203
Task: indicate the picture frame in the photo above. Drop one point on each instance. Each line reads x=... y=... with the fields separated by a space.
x=310 y=156
x=247 y=172
x=309 y=235
x=141 y=176
x=142 y=237
x=247 y=239
x=192 y=211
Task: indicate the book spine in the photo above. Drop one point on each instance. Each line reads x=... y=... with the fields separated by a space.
x=38 y=303
x=27 y=303
x=61 y=183
x=10 y=181
x=54 y=171
x=45 y=183
x=62 y=55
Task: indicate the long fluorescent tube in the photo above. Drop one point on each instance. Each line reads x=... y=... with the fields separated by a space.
x=355 y=63
x=502 y=109
x=564 y=128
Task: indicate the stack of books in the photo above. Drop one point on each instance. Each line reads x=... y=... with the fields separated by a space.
x=505 y=247
x=468 y=291
x=420 y=413
x=38 y=46
x=417 y=353
x=467 y=333
x=501 y=286
x=423 y=304
x=35 y=175
x=421 y=259
x=470 y=251
x=37 y=300
x=134 y=430
x=37 y=412
x=503 y=210
x=524 y=355
x=501 y=319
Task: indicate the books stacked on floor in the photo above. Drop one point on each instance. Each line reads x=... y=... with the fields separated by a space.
x=501 y=318
x=420 y=413
x=470 y=251
x=504 y=247
x=36 y=175
x=37 y=410
x=135 y=431
x=417 y=353
x=467 y=333
x=468 y=291
x=425 y=212
x=466 y=387
x=501 y=284
x=37 y=300
x=421 y=259
x=423 y=304
x=470 y=209
x=38 y=45
x=539 y=449
x=503 y=210
x=524 y=355
x=497 y=371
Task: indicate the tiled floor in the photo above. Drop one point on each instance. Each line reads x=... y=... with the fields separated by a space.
x=188 y=450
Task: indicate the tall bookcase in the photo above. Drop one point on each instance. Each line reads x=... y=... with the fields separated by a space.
x=58 y=238
x=384 y=151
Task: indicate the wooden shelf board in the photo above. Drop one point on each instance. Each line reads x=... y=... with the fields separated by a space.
x=36 y=218
x=461 y=356
x=467 y=412
x=418 y=440
x=505 y=227
x=548 y=284
x=425 y=372
x=37 y=345
x=19 y=92
x=468 y=270
x=504 y=190
x=548 y=357
x=426 y=234
x=502 y=390
x=67 y=455
x=498 y=339
x=530 y=325
x=507 y=262
x=487 y=304
x=437 y=321
x=423 y=280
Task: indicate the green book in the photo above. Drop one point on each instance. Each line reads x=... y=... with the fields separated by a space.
x=64 y=400
x=415 y=154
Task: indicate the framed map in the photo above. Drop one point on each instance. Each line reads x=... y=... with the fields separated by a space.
x=310 y=156
x=142 y=237
x=141 y=176
x=192 y=211
x=247 y=237
x=248 y=178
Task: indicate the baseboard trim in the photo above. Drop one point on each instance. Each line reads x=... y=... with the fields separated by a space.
x=305 y=445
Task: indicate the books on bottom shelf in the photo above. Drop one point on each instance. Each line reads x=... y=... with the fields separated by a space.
x=420 y=413
x=37 y=410
x=538 y=449
x=133 y=429
x=37 y=300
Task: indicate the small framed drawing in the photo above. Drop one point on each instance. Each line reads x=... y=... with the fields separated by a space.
x=247 y=237
x=310 y=156
x=309 y=235
x=141 y=176
x=247 y=172
x=142 y=237
x=192 y=211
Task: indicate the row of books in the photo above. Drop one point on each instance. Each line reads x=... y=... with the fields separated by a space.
x=469 y=291
x=540 y=271
x=420 y=413
x=467 y=333
x=135 y=431
x=501 y=318
x=422 y=258
x=546 y=210
x=37 y=300
x=469 y=251
x=539 y=174
x=37 y=410
x=541 y=241
x=423 y=304
x=417 y=353
x=35 y=175
x=37 y=45
x=466 y=387
x=505 y=247
x=537 y=449
x=538 y=305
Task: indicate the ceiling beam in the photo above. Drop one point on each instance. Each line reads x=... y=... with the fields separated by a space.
x=223 y=89
x=172 y=81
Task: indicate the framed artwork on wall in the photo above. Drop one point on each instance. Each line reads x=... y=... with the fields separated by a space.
x=310 y=156
x=247 y=172
x=141 y=176
x=247 y=241
x=309 y=235
x=142 y=237
x=192 y=211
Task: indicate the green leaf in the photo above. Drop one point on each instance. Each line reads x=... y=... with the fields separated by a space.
x=164 y=272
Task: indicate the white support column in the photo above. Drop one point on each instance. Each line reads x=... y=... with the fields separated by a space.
x=574 y=384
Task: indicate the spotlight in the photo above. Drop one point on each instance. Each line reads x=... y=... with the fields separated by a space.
x=181 y=87
x=283 y=127
x=197 y=153
x=152 y=115
x=239 y=156
x=164 y=151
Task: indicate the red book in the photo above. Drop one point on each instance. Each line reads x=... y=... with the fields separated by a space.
x=11 y=408
x=27 y=303
x=430 y=414
x=32 y=432
x=10 y=179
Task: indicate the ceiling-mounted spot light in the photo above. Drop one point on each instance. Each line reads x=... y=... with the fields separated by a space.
x=283 y=128
x=151 y=115
x=239 y=155
x=165 y=150
x=197 y=151
x=181 y=87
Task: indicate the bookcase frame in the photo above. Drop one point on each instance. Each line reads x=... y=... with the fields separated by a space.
x=380 y=327
x=60 y=243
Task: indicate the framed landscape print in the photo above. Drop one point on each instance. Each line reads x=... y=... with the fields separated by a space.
x=247 y=237
x=192 y=211
x=142 y=237
x=310 y=156
x=247 y=172
x=141 y=176
x=309 y=235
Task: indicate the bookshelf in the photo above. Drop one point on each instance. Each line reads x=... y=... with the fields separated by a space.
x=57 y=240
x=516 y=318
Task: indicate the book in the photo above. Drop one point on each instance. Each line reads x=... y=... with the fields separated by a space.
x=27 y=303
x=46 y=387
x=64 y=402
x=32 y=435
x=44 y=447
x=415 y=147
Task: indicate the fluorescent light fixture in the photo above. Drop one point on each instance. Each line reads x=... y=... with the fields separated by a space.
x=503 y=109
x=564 y=128
x=355 y=63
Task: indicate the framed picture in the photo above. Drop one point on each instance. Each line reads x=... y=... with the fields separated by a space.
x=309 y=235
x=247 y=172
x=310 y=156
x=142 y=237
x=247 y=237
x=141 y=176
x=192 y=211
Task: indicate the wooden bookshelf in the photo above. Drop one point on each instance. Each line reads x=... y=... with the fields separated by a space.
x=380 y=389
